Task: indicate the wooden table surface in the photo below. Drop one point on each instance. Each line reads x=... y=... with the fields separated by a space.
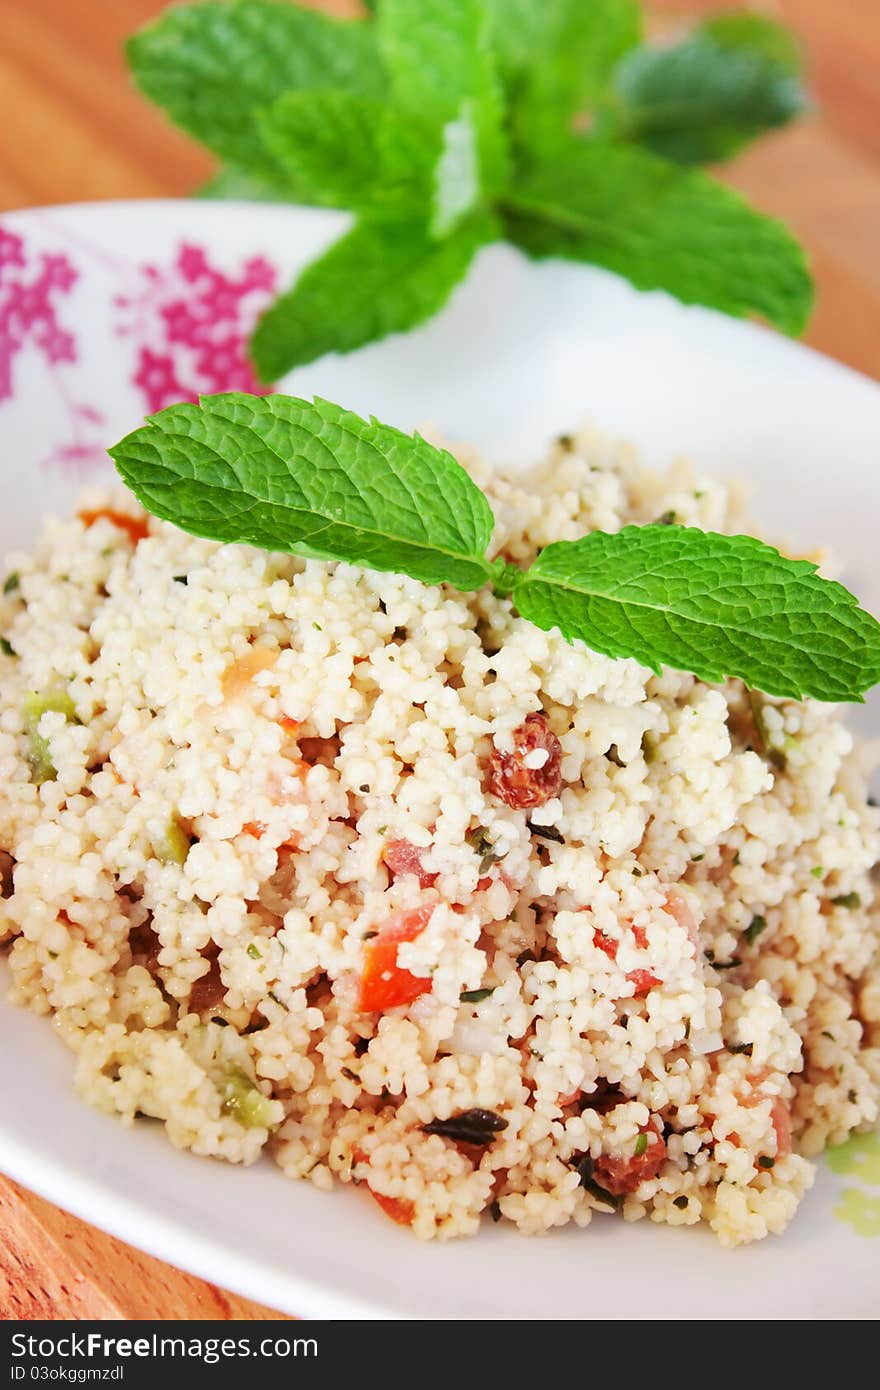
x=75 y=130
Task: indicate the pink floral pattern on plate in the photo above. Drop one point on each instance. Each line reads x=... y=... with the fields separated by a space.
x=187 y=324
x=190 y=324
x=29 y=287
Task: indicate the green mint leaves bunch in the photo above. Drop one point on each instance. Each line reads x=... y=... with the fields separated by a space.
x=316 y=480
x=444 y=125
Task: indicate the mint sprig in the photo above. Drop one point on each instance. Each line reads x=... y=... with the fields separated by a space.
x=316 y=480
x=443 y=124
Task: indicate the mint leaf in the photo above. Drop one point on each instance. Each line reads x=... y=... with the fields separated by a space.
x=314 y=479
x=212 y=66
x=711 y=604
x=342 y=150
x=555 y=58
x=436 y=52
x=701 y=100
x=442 y=72
x=327 y=143
x=661 y=227
x=386 y=275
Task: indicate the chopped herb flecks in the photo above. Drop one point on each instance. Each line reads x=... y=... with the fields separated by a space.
x=546 y=832
x=483 y=846
x=753 y=931
x=585 y=1169
x=476 y=996
x=850 y=900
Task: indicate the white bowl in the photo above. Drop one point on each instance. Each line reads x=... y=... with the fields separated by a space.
x=521 y=352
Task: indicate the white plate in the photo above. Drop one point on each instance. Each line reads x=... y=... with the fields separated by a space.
x=521 y=353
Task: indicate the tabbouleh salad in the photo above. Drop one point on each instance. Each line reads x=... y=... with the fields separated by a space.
x=382 y=880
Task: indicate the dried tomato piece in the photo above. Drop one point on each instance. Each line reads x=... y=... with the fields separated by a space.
x=605 y=943
x=781 y=1119
x=7 y=865
x=401 y=857
x=605 y=1097
x=384 y=983
x=208 y=991
x=620 y=1176
x=145 y=946
x=642 y=981
x=136 y=527
x=400 y=1209
x=680 y=909
x=515 y=782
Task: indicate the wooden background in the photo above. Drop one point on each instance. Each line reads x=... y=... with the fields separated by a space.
x=74 y=130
